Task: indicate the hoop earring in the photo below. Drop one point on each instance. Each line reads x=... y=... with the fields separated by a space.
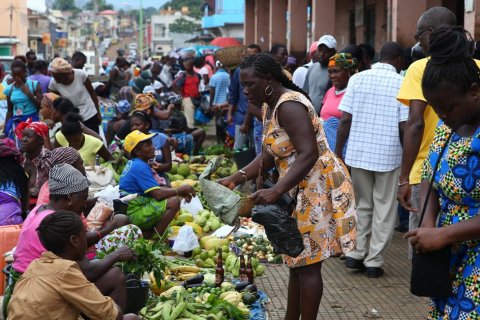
x=268 y=88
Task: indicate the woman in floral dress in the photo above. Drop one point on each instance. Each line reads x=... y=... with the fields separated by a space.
x=294 y=143
x=451 y=84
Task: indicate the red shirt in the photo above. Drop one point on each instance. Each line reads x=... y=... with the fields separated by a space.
x=190 y=87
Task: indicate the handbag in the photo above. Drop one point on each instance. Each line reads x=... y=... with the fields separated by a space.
x=280 y=227
x=430 y=275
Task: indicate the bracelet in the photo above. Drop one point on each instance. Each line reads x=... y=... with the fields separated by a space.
x=403 y=183
x=244 y=174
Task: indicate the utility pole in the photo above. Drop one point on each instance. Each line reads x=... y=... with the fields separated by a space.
x=141 y=33
x=95 y=43
x=11 y=22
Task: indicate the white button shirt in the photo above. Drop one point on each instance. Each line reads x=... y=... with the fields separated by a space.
x=374 y=140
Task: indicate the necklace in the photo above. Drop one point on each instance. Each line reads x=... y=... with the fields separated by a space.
x=337 y=92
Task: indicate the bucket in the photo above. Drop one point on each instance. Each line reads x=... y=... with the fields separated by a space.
x=137 y=294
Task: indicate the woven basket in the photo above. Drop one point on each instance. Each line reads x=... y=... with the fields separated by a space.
x=230 y=57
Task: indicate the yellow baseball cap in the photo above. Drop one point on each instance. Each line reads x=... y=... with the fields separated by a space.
x=134 y=138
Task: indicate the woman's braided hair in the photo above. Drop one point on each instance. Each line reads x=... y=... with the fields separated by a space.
x=143 y=116
x=263 y=64
x=56 y=229
x=451 y=61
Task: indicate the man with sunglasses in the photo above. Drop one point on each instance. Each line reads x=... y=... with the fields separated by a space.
x=422 y=120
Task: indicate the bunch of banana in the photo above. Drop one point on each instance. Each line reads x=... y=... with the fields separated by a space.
x=197 y=167
x=183 y=273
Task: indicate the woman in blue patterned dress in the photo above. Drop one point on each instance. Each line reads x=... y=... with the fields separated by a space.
x=451 y=85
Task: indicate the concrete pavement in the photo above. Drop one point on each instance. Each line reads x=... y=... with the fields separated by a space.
x=350 y=295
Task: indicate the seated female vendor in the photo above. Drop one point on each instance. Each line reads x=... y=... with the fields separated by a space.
x=155 y=207
x=71 y=135
x=69 y=191
x=162 y=162
x=53 y=286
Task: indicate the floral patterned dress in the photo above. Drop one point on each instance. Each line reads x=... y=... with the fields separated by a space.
x=325 y=210
x=457 y=182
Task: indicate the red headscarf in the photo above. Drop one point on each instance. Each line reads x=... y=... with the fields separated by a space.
x=40 y=128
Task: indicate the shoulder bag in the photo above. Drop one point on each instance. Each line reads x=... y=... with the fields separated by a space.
x=430 y=275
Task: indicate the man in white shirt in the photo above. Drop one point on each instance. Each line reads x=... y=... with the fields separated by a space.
x=373 y=122
x=301 y=73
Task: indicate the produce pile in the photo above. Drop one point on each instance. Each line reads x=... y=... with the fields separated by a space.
x=185 y=284
x=200 y=303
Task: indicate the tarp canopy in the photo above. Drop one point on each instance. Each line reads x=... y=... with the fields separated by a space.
x=225 y=42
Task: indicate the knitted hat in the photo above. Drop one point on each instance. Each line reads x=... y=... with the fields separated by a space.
x=65 y=179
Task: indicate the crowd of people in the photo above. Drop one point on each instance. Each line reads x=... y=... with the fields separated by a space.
x=346 y=134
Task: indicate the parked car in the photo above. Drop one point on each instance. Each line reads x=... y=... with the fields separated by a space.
x=133 y=46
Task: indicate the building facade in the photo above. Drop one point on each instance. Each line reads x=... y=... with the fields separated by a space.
x=13 y=27
x=350 y=21
x=162 y=39
x=224 y=18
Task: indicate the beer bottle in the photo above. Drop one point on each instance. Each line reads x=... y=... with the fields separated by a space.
x=249 y=270
x=243 y=276
x=219 y=272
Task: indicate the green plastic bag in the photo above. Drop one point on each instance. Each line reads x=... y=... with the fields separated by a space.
x=224 y=202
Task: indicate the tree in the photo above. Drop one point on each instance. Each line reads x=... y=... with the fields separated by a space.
x=193 y=6
x=147 y=13
x=183 y=25
x=64 y=5
x=102 y=5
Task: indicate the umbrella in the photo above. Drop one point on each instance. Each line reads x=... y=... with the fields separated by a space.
x=225 y=42
x=199 y=50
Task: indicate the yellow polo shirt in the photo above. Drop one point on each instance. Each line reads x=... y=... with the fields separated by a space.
x=411 y=89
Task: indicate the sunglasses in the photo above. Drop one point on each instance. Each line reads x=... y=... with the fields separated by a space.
x=419 y=33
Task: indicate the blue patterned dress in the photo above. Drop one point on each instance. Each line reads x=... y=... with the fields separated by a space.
x=457 y=182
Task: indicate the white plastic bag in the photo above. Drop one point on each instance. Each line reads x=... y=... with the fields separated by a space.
x=186 y=240
x=193 y=206
x=108 y=194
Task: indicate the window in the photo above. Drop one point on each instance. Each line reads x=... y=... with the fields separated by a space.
x=218 y=6
x=159 y=30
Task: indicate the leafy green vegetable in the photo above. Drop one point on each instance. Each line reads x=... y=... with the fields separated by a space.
x=150 y=257
x=219 y=305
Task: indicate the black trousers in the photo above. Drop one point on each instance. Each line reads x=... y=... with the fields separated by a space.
x=92 y=123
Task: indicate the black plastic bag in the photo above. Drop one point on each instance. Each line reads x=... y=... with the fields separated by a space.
x=281 y=229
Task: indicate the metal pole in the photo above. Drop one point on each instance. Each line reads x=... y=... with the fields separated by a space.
x=141 y=33
x=95 y=43
x=11 y=22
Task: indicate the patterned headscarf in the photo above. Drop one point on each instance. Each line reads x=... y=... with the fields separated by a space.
x=343 y=60
x=144 y=101
x=63 y=155
x=9 y=149
x=59 y=65
x=123 y=106
x=49 y=97
x=65 y=179
x=40 y=128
